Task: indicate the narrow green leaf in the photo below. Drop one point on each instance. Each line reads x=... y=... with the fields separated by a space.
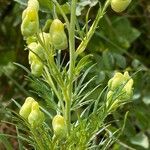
x=6 y=143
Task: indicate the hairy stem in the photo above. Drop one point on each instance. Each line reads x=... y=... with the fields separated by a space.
x=72 y=61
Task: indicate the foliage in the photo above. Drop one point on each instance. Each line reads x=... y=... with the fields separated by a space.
x=11 y=43
x=119 y=43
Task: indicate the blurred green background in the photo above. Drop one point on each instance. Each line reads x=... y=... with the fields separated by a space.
x=121 y=42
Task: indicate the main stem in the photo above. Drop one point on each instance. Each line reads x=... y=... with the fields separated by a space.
x=72 y=61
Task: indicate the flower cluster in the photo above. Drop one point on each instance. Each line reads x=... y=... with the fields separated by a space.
x=120 y=89
x=56 y=38
x=31 y=112
x=59 y=126
x=30 y=19
x=37 y=55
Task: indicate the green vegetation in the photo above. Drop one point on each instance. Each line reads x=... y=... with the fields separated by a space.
x=66 y=78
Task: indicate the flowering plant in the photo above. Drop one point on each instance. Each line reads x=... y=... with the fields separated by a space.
x=69 y=119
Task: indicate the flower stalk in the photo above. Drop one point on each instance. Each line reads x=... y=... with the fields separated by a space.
x=72 y=61
x=92 y=29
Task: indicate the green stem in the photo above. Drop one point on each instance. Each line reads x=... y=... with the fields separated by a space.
x=55 y=72
x=72 y=61
x=52 y=85
x=92 y=29
x=54 y=11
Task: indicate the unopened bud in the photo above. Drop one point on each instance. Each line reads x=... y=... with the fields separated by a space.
x=59 y=127
x=119 y=5
x=36 y=117
x=120 y=90
x=58 y=35
x=36 y=55
x=26 y=107
x=30 y=19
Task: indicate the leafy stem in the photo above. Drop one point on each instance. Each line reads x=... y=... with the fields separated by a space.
x=51 y=83
x=92 y=29
x=72 y=60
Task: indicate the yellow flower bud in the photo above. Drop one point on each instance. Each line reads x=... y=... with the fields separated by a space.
x=119 y=5
x=26 y=107
x=37 y=67
x=59 y=127
x=36 y=117
x=121 y=80
x=114 y=98
x=35 y=106
x=128 y=86
x=30 y=19
x=58 y=35
x=30 y=23
x=30 y=110
x=38 y=51
x=34 y=58
x=57 y=25
x=116 y=81
x=33 y=4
